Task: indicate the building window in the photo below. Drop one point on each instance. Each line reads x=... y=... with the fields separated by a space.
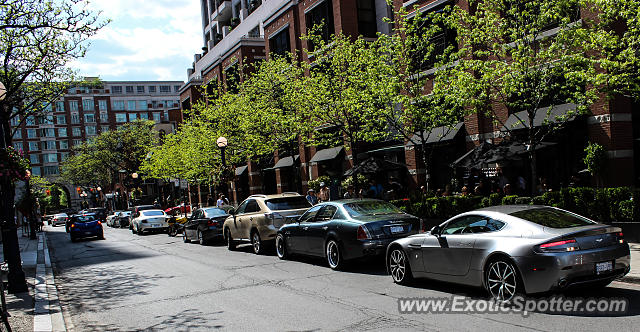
x=144 y=116
x=152 y=89
x=76 y=132
x=31 y=120
x=116 y=89
x=73 y=105
x=166 y=115
x=102 y=105
x=154 y=104
x=156 y=117
x=427 y=51
x=15 y=121
x=60 y=106
x=121 y=117
x=104 y=117
x=49 y=157
x=49 y=145
x=129 y=89
x=169 y=103
x=104 y=129
x=36 y=171
x=91 y=130
x=280 y=44
x=64 y=156
x=90 y=118
x=143 y=105
x=118 y=105
x=33 y=146
x=322 y=15
x=17 y=134
x=64 y=144
x=61 y=119
x=75 y=118
x=45 y=120
x=77 y=142
x=87 y=105
x=31 y=133
x=133 y=117
x=165 y=89
x=131 y=105
x=176 y=88
x=50 y=170
x=140 y=88
x=62 y=132
x=34 y=159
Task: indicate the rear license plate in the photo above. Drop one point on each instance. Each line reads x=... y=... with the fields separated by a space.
x=397 y=229
x=604 y=267
x=155 y=225
x=87 y=233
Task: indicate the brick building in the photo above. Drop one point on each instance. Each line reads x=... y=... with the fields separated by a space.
x=84 y=112
x=241 y=31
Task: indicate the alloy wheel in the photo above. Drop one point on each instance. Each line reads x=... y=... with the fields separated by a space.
x=255 y=240
x=502 y=281
x=200 y=238
x=398 y=265
x=333 y=255
x=280 y=247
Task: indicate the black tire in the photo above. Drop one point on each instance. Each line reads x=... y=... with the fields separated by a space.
x=399 y=267
x=101 y=236
x=185 y=239
x=256 y=243
x=281 y=247
x=201 y=239
x=133 y=230
x=334 y=255
x=231 y=244
x=73 y=239
x=502 y=279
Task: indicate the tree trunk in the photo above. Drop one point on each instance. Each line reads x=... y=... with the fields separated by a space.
x=10 y=245
x=534 y=168
x=354 y=175
x=425 y=162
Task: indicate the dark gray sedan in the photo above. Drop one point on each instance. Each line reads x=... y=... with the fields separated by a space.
x=205 y=225
x=513 y=249
x=344 y=230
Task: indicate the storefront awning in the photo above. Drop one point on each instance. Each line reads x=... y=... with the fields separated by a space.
x=240 y=170
x=439 y=134
x=543 y=116
x=326 y=154
x=286 y=162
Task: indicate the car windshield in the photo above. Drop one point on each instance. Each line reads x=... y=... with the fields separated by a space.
x=152 y=213
x=288 y=203
x=369 y=208
x=553 y=218
x=214 y=212
x=84 y=218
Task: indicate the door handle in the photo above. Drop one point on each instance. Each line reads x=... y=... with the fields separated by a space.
x=466 y=244
x=325 y=228
x=305 y=228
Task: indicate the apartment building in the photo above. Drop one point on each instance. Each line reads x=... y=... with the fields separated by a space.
x=87 y=111
x=239 y=32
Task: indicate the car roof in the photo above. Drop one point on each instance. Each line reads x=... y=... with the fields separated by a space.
x=509 y=209
x=145 y=211
x=84 y=214
x=286 y=194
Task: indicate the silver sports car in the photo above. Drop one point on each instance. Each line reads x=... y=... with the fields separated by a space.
x=513 y=249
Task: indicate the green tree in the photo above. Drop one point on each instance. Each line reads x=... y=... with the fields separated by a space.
x=511 y=60
x=350 y=88
x=38 y=39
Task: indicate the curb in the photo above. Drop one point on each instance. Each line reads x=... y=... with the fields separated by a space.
x=630 y=280
x=47 y=311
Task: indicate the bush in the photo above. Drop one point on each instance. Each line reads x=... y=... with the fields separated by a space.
x=523 y=200
x=315 y=184
x=509 y=200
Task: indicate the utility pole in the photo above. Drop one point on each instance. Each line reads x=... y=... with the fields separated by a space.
x=10 y=245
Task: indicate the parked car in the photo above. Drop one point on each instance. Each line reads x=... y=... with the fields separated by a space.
x=112 y=219
x=258 y=218
x=123 y=219
x=59 y=219
x=344 y=230
x=513 y=249
x=100 y=213
x=47 y=218
x=205 y=225
x=85 y=225
x=135 y=212
x=182 y=209
x=149 y=221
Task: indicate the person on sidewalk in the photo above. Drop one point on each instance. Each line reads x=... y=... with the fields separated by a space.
x=323 y=195
x=311 y=197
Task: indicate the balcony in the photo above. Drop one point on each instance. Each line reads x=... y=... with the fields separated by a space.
x=223 y=12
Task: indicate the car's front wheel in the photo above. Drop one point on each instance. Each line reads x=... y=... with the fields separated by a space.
x=501 y=280
x=334 y=255
x=281 y=247
x=231 y=244
x=399 y=267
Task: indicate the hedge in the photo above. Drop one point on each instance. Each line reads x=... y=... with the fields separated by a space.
x=604 y=205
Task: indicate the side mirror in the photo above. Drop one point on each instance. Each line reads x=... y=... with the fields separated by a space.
x=435 y=230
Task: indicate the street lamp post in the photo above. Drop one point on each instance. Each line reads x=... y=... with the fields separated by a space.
x=222 y=143
x=10 y=245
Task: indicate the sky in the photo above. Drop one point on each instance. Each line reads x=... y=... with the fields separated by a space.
x=146 y=40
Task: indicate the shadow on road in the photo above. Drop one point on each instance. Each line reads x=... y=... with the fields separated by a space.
x=186 y=320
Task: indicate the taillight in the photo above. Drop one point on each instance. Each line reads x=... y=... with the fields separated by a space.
x=363 y=233
x=210 y=223
x=620 y=237
x=273 y=216
x=564 y=245
x=99 y=223
x=73 y=225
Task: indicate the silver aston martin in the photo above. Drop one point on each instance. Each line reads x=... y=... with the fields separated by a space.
x=513 y=249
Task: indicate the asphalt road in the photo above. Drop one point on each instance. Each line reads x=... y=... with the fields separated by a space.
x=155 y=282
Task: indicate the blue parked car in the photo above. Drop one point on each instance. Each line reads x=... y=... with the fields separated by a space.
x=85 y=225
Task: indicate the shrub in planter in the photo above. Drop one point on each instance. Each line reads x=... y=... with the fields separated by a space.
x=315 y=184
x=509 y=200
x=538 y=200
x=523 y=200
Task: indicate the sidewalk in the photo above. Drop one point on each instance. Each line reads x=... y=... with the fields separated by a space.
x=38 y=309
x=634 y=275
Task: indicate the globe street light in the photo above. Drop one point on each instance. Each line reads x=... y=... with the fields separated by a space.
x=222 y=144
